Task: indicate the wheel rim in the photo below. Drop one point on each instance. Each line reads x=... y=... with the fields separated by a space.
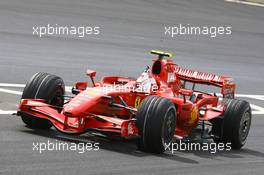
x=244 y=126
x=169 y=126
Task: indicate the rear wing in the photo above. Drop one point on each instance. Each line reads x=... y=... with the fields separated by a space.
x=226 y=84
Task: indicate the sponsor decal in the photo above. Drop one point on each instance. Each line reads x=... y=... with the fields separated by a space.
x=137 y=101
x=194 y=115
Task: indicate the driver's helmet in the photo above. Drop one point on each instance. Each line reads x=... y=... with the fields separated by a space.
x=145 y=82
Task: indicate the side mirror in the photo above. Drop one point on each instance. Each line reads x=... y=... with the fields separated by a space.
x=78 y=87
x=91 y=74
x=81 y=85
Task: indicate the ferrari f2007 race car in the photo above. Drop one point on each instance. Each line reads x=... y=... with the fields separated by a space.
x=154 y=109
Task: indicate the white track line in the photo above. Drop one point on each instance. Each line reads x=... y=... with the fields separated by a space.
x=246 y=3
x=68 y=89
x=7 y=112
x=257 y=109
x=258 y=97
x=10 y=91
x=257 y=112
x=12 y=85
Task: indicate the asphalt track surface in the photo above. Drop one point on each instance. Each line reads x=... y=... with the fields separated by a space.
x=129 y=29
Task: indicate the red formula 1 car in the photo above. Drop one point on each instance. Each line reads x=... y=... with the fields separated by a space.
x=154 y=108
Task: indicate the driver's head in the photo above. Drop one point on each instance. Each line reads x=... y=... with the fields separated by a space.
x=145 y=81
x=145 y=76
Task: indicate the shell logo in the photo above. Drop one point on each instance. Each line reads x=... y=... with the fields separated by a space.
x=194 y=115
x=137 y=101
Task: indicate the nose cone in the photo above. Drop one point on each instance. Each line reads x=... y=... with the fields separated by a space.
x=82 y=102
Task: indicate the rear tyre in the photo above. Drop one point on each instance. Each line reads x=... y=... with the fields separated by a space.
x=235 y=125
x=156 y=123
x=45 y=86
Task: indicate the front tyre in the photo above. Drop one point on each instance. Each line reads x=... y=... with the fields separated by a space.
x=45 y=86
x=156 y=123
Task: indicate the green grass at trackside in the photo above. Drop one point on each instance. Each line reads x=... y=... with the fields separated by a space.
x=257 y=1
